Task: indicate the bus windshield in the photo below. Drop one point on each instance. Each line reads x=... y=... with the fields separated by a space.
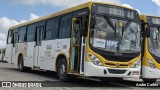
x=116 y=35
x=154 y=41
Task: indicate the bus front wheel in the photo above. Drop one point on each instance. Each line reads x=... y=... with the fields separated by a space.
x=149 y=80
x=62 y=70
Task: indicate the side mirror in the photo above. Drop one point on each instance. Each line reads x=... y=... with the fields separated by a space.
x=93 y=22
x=147 y=31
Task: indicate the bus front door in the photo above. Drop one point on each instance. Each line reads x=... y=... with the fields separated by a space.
x=14 y=49
x=75 y=46
x=38 y=40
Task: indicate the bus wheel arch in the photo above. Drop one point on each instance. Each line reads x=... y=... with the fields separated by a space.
x=58 y=58
x=61 y=68
x=21 y=63
x=19 y=58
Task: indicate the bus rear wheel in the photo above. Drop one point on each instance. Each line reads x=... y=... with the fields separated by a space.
x=62 y=70
x=21 y=64
x=149 y=80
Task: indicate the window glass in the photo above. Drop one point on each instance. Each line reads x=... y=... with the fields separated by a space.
x=31 y=28
x=22 y=31
x=64 y=32
x=21 y=38
x=154 y=41
x=30 y=37
x=48 y=35
x=51 y=29
x=15 y=30
x=56 y=22
x=55 y=33
x=55 y=30
x=63 y=22
x=65 y=27
x=15 y=37
x=10 y=36
x=116 y=35
x=50 y=24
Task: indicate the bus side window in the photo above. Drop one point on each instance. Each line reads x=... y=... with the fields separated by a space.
x=30 y=33
x=65 y=26
x=51 y=31
x=9 y=40
x=22 y=34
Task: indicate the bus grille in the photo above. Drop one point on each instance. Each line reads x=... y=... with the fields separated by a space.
x=113 y=71
x=120 y=65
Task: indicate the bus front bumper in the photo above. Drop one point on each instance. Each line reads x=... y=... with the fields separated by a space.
x=92 y=70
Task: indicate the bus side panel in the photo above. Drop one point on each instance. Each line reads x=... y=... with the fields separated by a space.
x=30 y=54
x=15 y=54
x=8 y=55
x=47 y=55
x=51 y=49
x=22 y=49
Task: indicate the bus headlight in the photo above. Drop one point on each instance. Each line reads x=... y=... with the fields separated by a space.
x=136 y=64
x=151 y=64
x=94 y=59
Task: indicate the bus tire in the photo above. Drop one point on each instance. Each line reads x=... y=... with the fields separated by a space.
x=21 y=64
x=149 y=80
x=62 y=70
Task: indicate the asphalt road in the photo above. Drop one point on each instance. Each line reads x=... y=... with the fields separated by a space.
x=9 y=72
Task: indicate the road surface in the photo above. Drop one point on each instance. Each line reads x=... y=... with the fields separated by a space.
x=9 y=72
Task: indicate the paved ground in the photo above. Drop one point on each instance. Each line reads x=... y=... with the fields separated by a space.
x=9 y=72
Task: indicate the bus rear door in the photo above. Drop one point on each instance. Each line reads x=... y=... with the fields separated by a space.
x=38 y=39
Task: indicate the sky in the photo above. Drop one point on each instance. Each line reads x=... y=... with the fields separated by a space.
x=14 y=12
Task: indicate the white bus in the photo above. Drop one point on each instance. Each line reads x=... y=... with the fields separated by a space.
x=92 y=40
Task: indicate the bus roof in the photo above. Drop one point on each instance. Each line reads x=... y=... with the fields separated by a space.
x=145 y=15
x=88 y=4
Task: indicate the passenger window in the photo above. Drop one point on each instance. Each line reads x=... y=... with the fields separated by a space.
x=31 y=28
x=22 y=31
x=22 y=34
x=51 y=29
x=65 y=27
x=30 y=37
x=30 y=33
x=10 y=34
x=21 y=38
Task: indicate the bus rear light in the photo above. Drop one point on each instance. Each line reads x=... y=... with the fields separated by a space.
x=135 y=73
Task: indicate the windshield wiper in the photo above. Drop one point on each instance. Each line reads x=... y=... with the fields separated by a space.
x=111 y=25
x=125 y=27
